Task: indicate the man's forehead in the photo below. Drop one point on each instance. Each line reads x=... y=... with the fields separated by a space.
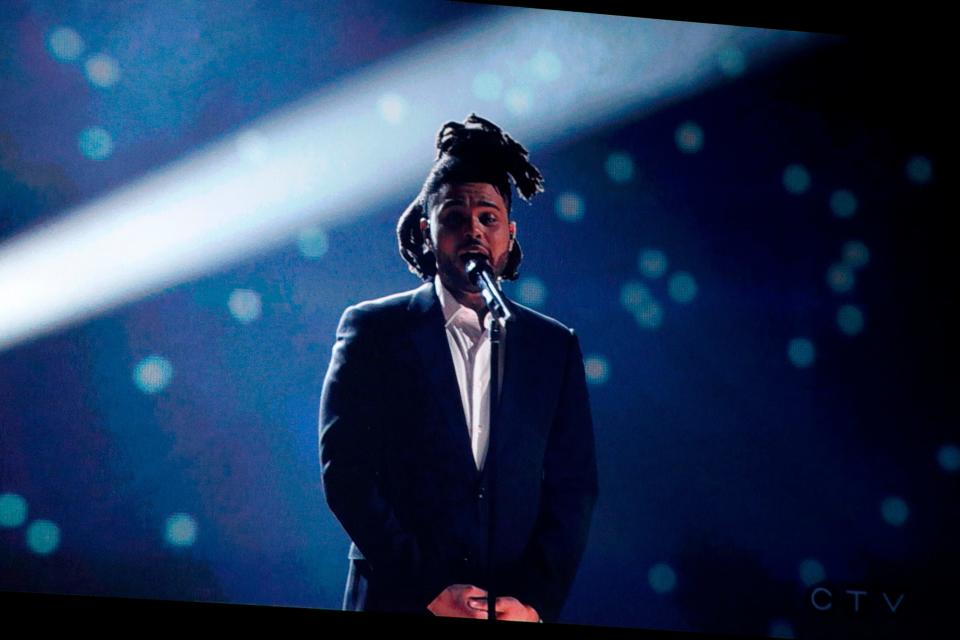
x=471 y=191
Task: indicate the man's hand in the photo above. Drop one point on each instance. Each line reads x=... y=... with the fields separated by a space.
x=468 y=601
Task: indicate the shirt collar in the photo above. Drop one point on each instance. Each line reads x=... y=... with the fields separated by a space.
x=453 y=311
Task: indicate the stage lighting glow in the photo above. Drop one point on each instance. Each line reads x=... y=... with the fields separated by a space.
x=812 y=572
x=850 y=319
x=569 y=207
x=65 y=44
x=843 y=203
x=487 y=86
x=682 y=287
x=546 y=66
x=731 y=61
x=796 y=179
x=949 y=458
x=181 y=530
x=781 y=629
x=312 y=242
x=331 y=162
x=153 y=374
x=855 y=254
x=95 y=143
x=801 y=352
x=597 y=369
x=652 y=263
x=531 y=291
x=619 y=167
x=841 y=278
x=518 y=100
x=895 y=511
x=13 y=510
x=43 y=537
x=244 y=305
x=392 y=108
x=102 y=70
x=662 y=578
x=689 y=137
x=252 y=147
x=919 y=169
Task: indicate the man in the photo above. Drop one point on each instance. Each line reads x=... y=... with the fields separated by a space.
x=405 y=414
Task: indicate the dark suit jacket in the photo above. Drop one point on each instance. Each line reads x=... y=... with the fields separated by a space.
x=399 y=474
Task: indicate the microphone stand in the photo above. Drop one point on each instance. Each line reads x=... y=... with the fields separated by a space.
x=481 y=275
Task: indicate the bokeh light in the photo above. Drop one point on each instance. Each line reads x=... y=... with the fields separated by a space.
x=633 y=295
x=102 y=70
x=689 y=137
x=919 y=169
x=812 y=572
x=95 y=143
x=518 y=100
x=855 y=254
x=662 y=578
x=731 y=61
x=641 y=303
x=244 y=305
x=801 y=352
x=843 y=203
x=650 y=314
x=895 y=511
x=682 y=287
x=181 y=530
x=597 y=369
x=13 y=510
x=796 y=179
x=392 y=108
x=546 y=66
x=850 y=319
x=619 y=167
x=312 y=242
x=153 y=374
x=840 y=277
x=531 y=291
x=949 y=458
x=65 y=44
x=652 y=263
x=43 y=537
x=487 y=86
x=569 y=207
x=781 y=629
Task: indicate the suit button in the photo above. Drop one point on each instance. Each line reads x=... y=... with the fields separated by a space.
x=480 y=493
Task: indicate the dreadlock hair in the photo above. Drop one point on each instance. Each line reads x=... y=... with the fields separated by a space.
x=475 y=151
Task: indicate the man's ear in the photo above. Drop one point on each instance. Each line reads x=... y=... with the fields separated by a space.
x=513 y=233
x=425 y=232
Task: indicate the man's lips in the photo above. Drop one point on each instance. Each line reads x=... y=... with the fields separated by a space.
x=468 y=253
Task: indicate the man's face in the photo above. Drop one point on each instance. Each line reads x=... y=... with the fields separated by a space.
x=468 y=218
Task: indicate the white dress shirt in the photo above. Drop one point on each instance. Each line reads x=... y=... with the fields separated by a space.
x=470 y=348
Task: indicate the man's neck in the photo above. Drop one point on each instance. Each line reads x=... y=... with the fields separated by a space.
x=469 y=299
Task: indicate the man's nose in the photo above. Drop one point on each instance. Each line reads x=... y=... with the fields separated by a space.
x=475 y=228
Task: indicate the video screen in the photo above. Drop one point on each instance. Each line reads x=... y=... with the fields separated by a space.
x=268 y=335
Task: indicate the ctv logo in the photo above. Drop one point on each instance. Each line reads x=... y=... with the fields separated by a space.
x=856 y=601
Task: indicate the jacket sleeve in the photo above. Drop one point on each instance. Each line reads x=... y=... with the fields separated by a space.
x=568 y=495
x=352 y=416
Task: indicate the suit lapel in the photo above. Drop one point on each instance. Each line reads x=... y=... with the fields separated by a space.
x=430 y=342
x=515 y=369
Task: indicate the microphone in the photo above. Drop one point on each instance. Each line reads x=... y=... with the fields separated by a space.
x=481 y=275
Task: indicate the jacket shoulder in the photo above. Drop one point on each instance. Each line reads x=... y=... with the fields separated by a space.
x=385 y=311
x=551 y=327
